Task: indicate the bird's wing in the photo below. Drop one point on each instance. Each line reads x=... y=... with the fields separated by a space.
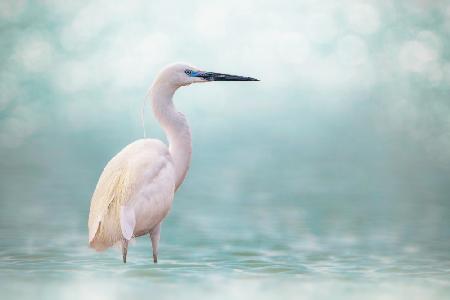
x=122 y=177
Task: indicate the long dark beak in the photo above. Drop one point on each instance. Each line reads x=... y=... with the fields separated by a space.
x=211 y=76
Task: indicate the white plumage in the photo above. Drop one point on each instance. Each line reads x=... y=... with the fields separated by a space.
x=133 y=195
x=136 y=189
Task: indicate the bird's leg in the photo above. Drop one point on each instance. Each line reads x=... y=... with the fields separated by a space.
x=124 y=250
x=154 y=236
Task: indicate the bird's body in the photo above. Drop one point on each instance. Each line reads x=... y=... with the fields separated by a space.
x=136 y=189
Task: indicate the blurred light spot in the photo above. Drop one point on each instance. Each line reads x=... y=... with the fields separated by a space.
x=321 y=27
x=35 y=54
x=11 y=9
x=414 y=56
x=8 y=92
x=432 y=70
x=363 y=18
x=15 y=129
x=87 y=24
x=79 y=113
x=403 y=116
x=434 y=73
x=75 y=76
x=447 y=19
x=4 y=99
x=62 y=7
x=323 y=72
x=293 y=47
x=266 y=53
x=126 y=61
x=446 y=73
x=411 y=249
x=352 y=50
x=131 y=59
x=430 y=39
x=210 y=20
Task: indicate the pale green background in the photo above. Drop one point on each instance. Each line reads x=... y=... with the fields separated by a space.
x=329 y=179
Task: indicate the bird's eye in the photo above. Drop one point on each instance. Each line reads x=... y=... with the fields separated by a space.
x=188 y=72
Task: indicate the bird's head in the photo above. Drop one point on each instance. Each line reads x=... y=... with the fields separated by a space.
x=178 y=75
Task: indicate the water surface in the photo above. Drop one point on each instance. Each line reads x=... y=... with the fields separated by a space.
x=328 y=179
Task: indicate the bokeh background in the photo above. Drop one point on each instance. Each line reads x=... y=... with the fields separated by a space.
x=330 y=178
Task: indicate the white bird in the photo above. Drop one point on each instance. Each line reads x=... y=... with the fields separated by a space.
x=136 y=189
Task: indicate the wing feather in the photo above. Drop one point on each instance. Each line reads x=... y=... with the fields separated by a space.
x=127 y=221
x=117 y=185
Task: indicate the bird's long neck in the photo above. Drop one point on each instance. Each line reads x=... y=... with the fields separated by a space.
x=175 y=126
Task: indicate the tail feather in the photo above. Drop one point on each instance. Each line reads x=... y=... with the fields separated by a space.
x=105 y=237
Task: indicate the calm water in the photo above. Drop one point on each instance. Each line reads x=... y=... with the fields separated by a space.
x=329 y=179
x=263 y=229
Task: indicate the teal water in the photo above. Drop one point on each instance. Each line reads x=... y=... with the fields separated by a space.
x=330 y=178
